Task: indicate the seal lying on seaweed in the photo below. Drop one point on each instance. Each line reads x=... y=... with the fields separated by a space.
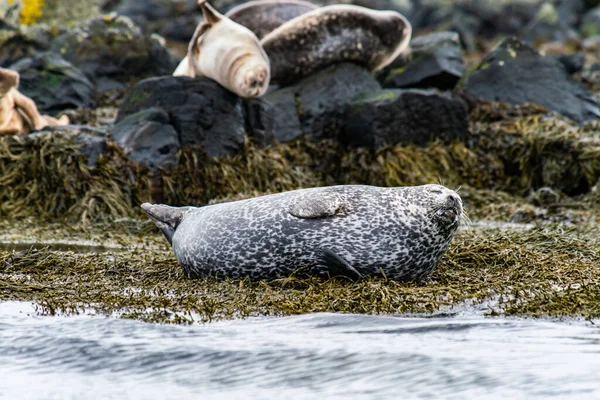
x=18 y=113
x=351 y=230
x=228 y=53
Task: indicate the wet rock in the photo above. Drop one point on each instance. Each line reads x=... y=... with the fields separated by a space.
x=201 y=111
x=315 y=105
x=259 y=121
x=404 y=116
x=590 y=26
x=113 y=47
x=436 y=62
x=148 y=138
x=516 y=73
x=92 y=139
x=17 y=42
x=54 y=83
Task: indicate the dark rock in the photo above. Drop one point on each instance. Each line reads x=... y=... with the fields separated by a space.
x=92 y=139
x=148 y=138
x=590 y=26
x=202 y=112
x=516 y=73
x=259 y=121
x=174 y=20
x=114 y=47
x=54 y=83
x=404 y=116
x=22 y=41
x=554 y=22
x=315 y=105
x=573 y=63
x=437 y=61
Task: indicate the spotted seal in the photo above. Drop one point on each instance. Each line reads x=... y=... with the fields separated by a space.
x=348 y=230
x=263 y=16
x=334 y=34
x=228 y=53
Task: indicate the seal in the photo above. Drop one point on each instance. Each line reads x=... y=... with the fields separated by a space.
x=18 y=113
x=334 y=34
x=263 y=16
x=228 y=53
x=348 y=230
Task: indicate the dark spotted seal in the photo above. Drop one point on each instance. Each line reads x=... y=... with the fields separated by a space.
x=353 y=230
x=263 y=16
x=334 y=34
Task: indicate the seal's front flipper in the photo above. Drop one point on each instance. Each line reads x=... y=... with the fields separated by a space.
x=319 y=205
x=165 y=217
x=337 y=266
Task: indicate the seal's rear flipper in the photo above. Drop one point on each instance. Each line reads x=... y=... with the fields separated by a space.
x=165 y=217
x=337 y=266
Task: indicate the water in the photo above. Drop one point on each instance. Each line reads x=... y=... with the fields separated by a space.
x=325 y=356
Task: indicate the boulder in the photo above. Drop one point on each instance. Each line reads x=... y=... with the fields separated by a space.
x=515 y=73
x=54 y=84
x=22 y=41
x=114 y=47
x=315 y=105
x=436 y=61
x=259 y=121
x=554 y=22
x=92 y=139
x=202 y=112
x=148 y=138
x=590 y=26
x=396 y=116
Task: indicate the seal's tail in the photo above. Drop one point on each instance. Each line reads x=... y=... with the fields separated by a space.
x=167 y=218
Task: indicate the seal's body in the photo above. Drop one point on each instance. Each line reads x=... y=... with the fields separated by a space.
x=335 y=34
x=264 y=16
x=228 y=53
x=18 y=113
x=351 y=230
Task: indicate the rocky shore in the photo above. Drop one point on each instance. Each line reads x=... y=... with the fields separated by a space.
x=497 y=98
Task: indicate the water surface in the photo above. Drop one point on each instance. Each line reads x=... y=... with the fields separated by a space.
x=301 y=357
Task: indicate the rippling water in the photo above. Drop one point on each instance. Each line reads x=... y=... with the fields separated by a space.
x=311 y=356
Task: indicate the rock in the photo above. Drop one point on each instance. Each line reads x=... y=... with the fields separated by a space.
x=113 y=47
x=22 y=41
x=516 y=73
x=590 y=26
x=174 y=20
x=437 y=61
x=54 y=84
x=259 y=121
x=573 y=63
x=396 y=116
x=202 y=112
x=554 y=22
x=92 y=139
x=148 y=138
x=315 y=105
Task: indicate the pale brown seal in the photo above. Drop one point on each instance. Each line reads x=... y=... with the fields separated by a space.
x=334 y=34
x=264 y=16
x=228 y=53
x=18 y=113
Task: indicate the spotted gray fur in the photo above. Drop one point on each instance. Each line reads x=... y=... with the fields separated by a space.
x=333 y=34
x=399 y=232
x=264 y=16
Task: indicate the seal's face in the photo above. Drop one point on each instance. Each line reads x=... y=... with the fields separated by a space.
x=252 y=80
x=444 y=206
x=8 y=80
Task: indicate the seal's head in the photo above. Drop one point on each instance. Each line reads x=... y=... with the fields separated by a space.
x=443 y=206
x=229 y=53
x=8 y=79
